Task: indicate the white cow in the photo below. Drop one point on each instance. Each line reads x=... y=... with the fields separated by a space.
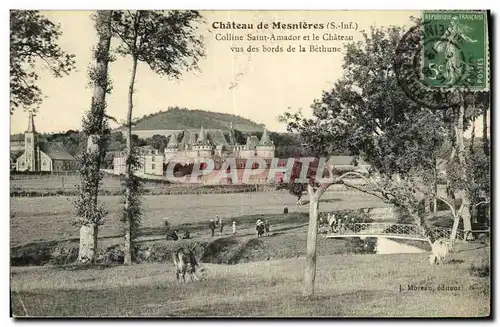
x=440 y=249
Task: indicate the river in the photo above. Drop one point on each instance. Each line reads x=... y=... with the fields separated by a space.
x=387 y=246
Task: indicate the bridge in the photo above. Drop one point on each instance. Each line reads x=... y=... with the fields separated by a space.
x=389 y=230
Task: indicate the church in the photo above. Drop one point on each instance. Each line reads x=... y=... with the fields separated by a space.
x=39 y=155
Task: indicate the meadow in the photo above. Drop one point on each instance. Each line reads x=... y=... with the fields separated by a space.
x=57 y=185
x=245 y=276
x=346 y=286
x=42 y=219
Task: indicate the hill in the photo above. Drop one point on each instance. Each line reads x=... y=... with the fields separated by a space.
x=180 y=118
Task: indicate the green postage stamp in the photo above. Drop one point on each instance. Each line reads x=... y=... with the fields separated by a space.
x=455 y=49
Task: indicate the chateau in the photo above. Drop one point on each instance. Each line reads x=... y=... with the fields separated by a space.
x=191 y=145
x=36 y=155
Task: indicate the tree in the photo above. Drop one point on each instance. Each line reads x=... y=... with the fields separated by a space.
x=239 y=136
x=294 y=188
x=33 y=40
x=316 y=175
x=166 y=41
x=73 y=141
x=367 y=113
x=158 y=142
x=460 y=182
x=90 y=211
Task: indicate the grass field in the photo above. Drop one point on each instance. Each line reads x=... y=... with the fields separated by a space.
x=56 y=185
x=49 y=219
x=346 y=285
x=265 y=278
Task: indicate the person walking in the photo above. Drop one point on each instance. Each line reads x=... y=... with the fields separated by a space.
x=285 y=210
x=221 y=227
x=331 y=222
x=234 y=227
x=211 y=225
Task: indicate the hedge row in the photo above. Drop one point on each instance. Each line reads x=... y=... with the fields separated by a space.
x=19 y=192
x=226 y=250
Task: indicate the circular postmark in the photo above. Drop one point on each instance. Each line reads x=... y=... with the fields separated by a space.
x=431 y=67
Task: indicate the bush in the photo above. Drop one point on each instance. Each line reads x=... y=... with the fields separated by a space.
x=63 y=254
x=480 y=269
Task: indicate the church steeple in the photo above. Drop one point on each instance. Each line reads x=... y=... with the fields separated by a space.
x=31 y=146
x=31 y=124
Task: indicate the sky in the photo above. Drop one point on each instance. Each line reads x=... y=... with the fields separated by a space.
x=259 y=86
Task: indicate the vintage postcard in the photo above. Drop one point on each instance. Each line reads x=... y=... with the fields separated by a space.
x=250 y=163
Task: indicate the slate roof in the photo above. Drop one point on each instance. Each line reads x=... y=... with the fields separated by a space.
x=265 y=139
x=172 y=141
x=55 y=150
x=191 y=137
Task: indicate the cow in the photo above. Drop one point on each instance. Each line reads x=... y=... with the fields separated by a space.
x=185 y=262
x=260 y=227
x=440 y=249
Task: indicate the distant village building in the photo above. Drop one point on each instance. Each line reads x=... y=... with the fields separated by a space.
x=151 y=161
x=36 y=155
x=187 y=146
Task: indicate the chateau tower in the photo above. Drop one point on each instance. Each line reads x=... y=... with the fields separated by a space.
x=172 y=144
x=265 y=148
x=31 y=145
x=202 y=145
x=171 y=148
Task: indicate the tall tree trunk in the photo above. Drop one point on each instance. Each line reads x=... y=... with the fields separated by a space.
x=89 y=230
x=472 y=137
x=465 y=213
x=427 y=205
x=420 y=221
x=88 y=243
x=312 y=236
x=486 y=147
x=129 y=228
x=454 y=229
x=435 y=188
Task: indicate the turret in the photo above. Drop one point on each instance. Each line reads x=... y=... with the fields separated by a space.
x=265 y=139
x=265 y=148
x=202 y=145
x=172 y=144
